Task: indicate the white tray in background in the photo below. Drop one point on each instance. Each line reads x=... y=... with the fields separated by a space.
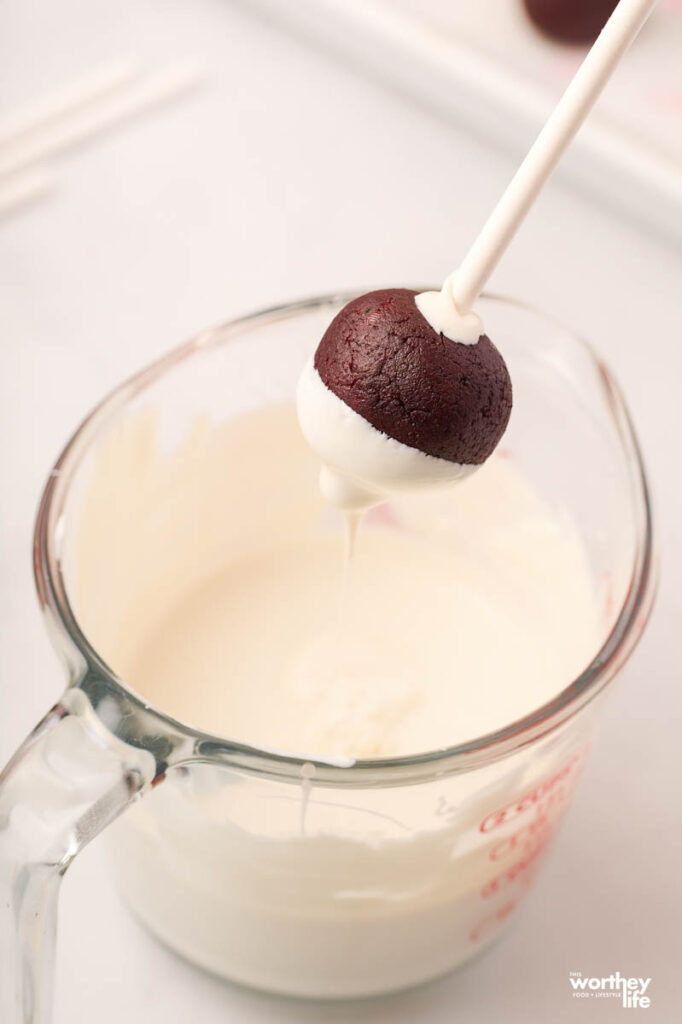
x=482 y=63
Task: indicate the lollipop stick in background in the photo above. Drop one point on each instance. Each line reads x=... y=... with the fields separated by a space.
x=44 y=114
x=63 y=134
x=467 y=281
x=22 y=190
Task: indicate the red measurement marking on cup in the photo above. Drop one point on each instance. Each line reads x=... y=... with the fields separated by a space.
x=521 y=871
x=609 y=600
x=526 y=837
x=382 y=515
x=491 y=923
x=547 y=818
x=530 y=800
x=548 y=800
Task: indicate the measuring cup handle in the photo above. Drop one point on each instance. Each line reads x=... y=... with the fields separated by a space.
x=69 y=779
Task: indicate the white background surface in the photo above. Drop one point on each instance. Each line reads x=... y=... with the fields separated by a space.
x=288 y=175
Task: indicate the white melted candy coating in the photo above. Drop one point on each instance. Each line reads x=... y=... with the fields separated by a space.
x=463 y=614
x=361 y=465
x=439 y=309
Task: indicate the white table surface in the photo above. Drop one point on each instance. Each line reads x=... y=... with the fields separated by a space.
x=287 y=175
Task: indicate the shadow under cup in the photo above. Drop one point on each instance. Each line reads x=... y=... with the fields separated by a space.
x=320 y=878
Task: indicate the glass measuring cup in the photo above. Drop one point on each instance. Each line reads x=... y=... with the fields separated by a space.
x=411 y=865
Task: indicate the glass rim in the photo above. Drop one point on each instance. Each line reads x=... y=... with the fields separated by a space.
x=472 y=754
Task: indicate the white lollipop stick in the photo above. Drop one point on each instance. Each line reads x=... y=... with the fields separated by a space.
x=42 y=115
x=100 y=116
x=466 y=283
x=22 y=190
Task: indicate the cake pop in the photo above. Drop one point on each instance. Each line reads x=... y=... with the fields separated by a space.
x=392 y=404
x=405 y=390
x=570 y=21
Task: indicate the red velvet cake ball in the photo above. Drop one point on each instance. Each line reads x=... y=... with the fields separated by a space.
x=570 y=21
x=447 y=399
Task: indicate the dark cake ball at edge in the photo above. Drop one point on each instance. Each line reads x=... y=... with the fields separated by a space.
x=577 y=22
x=384 y=360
